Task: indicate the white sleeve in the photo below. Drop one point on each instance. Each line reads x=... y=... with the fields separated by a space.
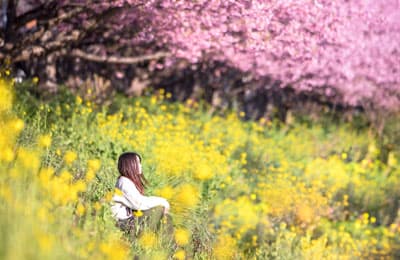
x=136 y=199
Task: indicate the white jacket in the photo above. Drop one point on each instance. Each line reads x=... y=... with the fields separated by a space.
x=131 y=198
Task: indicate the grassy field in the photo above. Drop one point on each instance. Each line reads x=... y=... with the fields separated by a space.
x=238 y=190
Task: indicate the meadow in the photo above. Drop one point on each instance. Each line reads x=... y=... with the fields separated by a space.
x=238 y=189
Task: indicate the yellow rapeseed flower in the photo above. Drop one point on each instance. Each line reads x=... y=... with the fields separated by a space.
x=166 y=192
x=148 y=240
x=45 y=176
x=44 y=141
x=45 y=242
x=29 y=159
x=35 y=80
x=90 y=174
x=225 y=247
x=78 y=100
x=180 y=254
x=43 y=214
x=94 y=164
x=138 y=213
x=79 y=186
x=7 y=155
x=187 y=196
x=305 y=214
x=17 y=125
x=282 y=225
x=6 y=96
x=392 y=160
x=118 y=192
x=70 y=157
x=65 y=176
x=182 y=236
x=80 y=209
x=108 y=196
x=203 y=172
x=114 y=249
x=6 y=194
x=97 y=205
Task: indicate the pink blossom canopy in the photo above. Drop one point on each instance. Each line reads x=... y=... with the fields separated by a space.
x=347 y=50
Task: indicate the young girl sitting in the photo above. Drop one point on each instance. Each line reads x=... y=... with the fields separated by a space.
x=131 y=208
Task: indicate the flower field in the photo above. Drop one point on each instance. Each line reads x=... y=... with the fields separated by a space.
x=238 y=190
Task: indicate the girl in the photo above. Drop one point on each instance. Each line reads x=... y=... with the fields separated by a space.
x=131 y=208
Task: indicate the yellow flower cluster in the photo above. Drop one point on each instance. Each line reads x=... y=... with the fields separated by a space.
x=238 y=215
x=263 y=177
x=225 y=247
x=182 y=236
x=6 y=96
x=43 y=202
x=60 y=187
x=186 y=198
x=70 y=157
x=256 y=189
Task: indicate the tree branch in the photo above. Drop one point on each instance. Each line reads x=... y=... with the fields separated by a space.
x=33 y=14
x=118 y=60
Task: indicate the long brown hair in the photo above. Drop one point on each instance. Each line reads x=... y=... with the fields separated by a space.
x=128 y=166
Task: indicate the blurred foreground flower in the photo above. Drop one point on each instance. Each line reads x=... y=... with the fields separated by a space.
x=180 y=254
x=225 y=247
x=182 y=236
x=148 y=240
x=166 y=192
x=70 y=157
x=94 y=165
x=80 y=209
x=44 y=141
x=6 y=96
x=187 y=197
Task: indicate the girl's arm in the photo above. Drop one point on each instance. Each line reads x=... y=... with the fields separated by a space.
x=137 y=200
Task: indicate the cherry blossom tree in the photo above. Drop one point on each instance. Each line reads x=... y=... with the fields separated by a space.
x=347 y=51
x=344 y=49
